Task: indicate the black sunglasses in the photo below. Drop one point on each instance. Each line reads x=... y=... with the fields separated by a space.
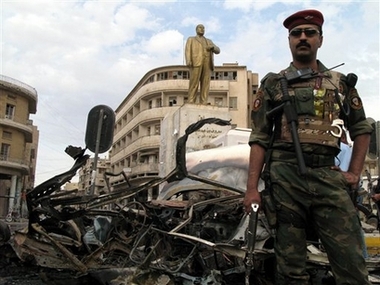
x=308 y=32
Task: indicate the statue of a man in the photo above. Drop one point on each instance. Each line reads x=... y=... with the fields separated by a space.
x=199 y=53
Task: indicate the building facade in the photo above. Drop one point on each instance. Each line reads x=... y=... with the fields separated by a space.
x=89 y=179
x=156 y=112
x=18 y=141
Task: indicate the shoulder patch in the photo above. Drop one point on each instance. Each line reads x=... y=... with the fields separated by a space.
x=258 y=102
x=355 y=101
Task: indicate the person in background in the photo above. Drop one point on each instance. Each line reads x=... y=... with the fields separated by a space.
x=313 y=193
x=343 y=159
x=376 y=190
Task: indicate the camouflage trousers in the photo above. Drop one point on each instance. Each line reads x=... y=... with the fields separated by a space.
x=319 y=199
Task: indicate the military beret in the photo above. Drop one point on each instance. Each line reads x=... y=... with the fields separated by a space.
x=304 y=17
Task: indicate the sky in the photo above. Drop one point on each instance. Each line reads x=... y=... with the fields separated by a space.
x=79 y=54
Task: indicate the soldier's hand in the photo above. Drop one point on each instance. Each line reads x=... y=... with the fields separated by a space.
x=251 y=197
x=352 y=178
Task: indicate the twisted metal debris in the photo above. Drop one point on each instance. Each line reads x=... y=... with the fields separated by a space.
x=194 y=233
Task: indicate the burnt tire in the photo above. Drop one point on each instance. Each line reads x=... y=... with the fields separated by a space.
x=373 y=221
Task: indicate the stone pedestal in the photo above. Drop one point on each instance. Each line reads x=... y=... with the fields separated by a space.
x=175 y=124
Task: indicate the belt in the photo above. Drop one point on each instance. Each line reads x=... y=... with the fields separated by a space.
x=311 y=160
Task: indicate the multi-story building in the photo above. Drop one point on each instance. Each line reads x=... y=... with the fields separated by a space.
x=19 y=141
x=155 y=113
x=90 y=181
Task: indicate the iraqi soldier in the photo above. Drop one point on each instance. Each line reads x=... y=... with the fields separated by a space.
x=296 y=129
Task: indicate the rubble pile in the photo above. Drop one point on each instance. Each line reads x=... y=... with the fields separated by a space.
x=195 y=232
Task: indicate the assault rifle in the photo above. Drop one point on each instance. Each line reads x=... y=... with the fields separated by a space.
x=251 y=240
x=292 y=119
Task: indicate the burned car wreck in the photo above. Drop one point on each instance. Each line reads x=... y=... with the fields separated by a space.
x=195 y=232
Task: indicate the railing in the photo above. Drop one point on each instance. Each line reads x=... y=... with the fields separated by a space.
x=25 y=125
x=4 y=157
x=18 y=83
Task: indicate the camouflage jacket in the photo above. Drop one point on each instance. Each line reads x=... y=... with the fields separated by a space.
x=323 y=102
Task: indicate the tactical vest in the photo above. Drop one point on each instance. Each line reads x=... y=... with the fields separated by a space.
x=317 y=109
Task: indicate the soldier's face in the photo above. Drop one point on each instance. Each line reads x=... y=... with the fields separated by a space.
x=304 y=42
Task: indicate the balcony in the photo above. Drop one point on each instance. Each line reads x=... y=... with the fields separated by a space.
x=139 y=174
x=26 y=128
x=17 y=86
x=143 y=169
x=14 y=165
x=137 y=145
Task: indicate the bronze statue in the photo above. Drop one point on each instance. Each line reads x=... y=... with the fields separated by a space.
x=199 y=55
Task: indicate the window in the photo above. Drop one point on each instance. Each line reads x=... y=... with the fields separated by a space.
x=158 y=102
x=150 y=104
x=10 y=111
x=180 y=75
x=185 y=75
x=216 y=75
x=230 y=75
x=157 y=129
x=218 y=101
x=172 y=101
x=136 y=133
x=233 y=103
x=148 y=130
x=177 y=74
x=149 y=80
x=226 y=75
x=5 y=150
x=162 y=76
x=142 y=159
x=7 y=135
x=32 y=153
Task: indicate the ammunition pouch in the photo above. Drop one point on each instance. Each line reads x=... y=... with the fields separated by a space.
x=269 y=207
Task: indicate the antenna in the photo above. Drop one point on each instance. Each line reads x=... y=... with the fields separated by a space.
x=335 y=66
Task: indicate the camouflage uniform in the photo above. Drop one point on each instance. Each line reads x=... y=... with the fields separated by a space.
x=319 y=197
